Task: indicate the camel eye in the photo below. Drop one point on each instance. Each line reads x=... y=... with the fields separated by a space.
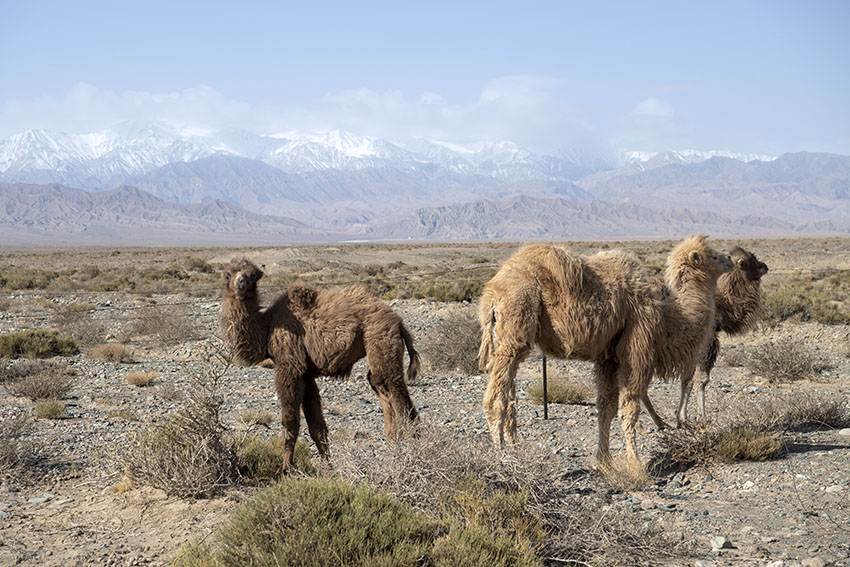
x=227 y=276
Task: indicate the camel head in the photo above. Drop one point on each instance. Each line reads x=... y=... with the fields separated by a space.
x=748 y=264
x=241 y=277
x=693 y=258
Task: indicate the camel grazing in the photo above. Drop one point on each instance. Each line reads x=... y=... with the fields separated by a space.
x=310 y=333
x=602 y=308
x=738 y=300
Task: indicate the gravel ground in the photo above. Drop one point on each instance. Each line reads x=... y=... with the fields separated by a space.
x=791 y=511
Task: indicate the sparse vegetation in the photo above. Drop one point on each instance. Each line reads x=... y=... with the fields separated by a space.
x=36 y=343
x=125 y=414
x=452 y=346
x=49 y=409
x=823 y=297
x=743 y=443
x=16 y=450
x=167 y=325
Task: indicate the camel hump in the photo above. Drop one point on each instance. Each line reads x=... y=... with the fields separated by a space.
x=301 y=296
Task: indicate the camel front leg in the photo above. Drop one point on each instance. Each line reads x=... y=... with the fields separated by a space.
x=290 y=393
x=629 y=414
x=702 y=381
x=312 y=405
x=659 y=423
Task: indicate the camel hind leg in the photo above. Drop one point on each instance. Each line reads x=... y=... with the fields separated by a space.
x=312 y=406
x=386 y=376
x=607 y=401
x=290 y=393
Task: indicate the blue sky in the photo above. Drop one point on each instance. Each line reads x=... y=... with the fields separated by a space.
x=748 y=76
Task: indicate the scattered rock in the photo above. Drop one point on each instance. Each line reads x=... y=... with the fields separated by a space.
x=834 y=488
x=845 y=432
x=813 y=562
x=720 y=542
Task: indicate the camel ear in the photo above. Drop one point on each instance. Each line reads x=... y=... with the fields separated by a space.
x=256 y=275
x=695 y=258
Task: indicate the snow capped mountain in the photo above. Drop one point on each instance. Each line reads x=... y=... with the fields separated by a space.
x=689 y=156
x=101 y=160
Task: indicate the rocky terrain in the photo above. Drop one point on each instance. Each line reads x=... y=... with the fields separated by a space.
x=790 y=511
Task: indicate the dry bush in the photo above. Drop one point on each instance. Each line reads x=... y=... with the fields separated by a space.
x=452 y=345
x=809 y=297
x=626 y=475
x=188 y=454
x=518 y=498
x=111 y=352
x=75 y=320
x=36 y=343
x=38 y=380
x=166 y=324
x=49 y=409
x=751 y=431
x=169 y=392
x=784 y=360
x=560 y=391
x=17 y=453
x=141 y=379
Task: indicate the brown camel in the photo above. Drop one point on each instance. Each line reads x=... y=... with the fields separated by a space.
x=310 y=333
x=738 y=300
x=602 y=308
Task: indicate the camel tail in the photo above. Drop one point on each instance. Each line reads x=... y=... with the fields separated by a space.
x=485 y=351
x=413 y=367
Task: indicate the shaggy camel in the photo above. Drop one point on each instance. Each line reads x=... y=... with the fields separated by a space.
x=602 y=308
x=310 y=333
x=738 y=299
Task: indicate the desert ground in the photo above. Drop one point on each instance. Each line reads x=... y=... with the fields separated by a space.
x=68 y=505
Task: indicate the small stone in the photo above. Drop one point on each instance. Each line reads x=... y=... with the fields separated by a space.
x=703 y=563
x=845 y=432
x=834 y=488
x=707 y=478
x=720 y=542
x=777 y=563
x=4 y=514
x=667 y=506
x=813 y=562
x=748 y=485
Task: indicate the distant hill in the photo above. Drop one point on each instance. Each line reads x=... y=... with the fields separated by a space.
x=55 y=215
x=528 y=217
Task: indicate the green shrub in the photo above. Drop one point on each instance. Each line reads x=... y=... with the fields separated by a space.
x=36 y=343
x=317 y=523
x=261 y=460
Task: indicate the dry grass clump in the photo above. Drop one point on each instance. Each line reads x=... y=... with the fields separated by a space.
x=75 y=320
x=261 y=460
x=125 y=414
x=625 y=475
x=165 y=324
x=111 y=352
x=36 y=343
x=742 y=443
x=38 y=380
x=49 y=409
x=257 y=417
x=141 y=379
x=522 y=504
x=560 y=391
x=452 y=345
x=784 y=360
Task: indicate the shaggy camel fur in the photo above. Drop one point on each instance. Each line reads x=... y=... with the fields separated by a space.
x=738 y=300
x=602 y=308
x=310 y=333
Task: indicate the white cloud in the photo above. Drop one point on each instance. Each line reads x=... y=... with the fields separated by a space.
x=530 y=110
x=654 y=107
